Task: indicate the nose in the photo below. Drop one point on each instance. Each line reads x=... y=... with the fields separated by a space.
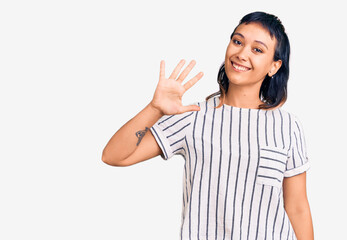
x=242 y=55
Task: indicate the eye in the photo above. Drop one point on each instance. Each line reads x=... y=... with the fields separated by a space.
x=258 y=50
x=237 y=42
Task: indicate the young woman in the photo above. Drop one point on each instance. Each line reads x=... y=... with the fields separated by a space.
x=245 y=157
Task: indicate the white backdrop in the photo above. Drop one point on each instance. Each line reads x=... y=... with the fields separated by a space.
x=73 y=72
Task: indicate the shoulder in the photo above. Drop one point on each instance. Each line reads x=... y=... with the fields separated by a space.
x=294 y=121
x=206 y=105
x=209 y=104
x=284 y=112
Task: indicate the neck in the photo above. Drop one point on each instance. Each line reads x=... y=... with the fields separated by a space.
x=243 y=96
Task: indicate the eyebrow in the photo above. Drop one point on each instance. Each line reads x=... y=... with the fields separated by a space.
x=239 y=34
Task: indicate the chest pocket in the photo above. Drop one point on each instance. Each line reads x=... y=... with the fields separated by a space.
x=272 y=164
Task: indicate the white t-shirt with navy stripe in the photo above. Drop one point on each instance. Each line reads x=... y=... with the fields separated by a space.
x=235 y=162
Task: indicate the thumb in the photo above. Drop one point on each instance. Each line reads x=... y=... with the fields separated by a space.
x=190 y=108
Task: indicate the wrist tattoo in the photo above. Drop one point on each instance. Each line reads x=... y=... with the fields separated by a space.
x=140 y=134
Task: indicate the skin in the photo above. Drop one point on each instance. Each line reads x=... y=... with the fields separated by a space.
x=252 y=49
x=297 y=206
x=122 y=150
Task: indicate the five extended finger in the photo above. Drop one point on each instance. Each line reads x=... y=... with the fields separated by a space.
x=177 y=69
x=192 y=81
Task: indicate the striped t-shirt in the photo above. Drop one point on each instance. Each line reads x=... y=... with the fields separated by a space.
x=235 y=162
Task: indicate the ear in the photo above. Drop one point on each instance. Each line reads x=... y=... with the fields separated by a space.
x=276 y=65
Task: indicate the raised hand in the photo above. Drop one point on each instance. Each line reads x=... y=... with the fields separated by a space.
x=168 y=95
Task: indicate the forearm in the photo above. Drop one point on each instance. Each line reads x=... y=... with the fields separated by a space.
x=124 y=142
x=123 y=148
x=301 y=221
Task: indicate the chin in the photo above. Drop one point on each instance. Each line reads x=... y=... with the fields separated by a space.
x=236 y=79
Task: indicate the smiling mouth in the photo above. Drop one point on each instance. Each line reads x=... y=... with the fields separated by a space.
x=239 y=68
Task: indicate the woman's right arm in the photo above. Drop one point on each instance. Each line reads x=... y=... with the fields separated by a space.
x=133 y=142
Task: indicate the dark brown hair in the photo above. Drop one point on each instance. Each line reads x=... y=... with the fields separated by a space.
x=273 y=91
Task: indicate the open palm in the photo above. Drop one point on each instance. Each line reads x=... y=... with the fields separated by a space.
x=168 y=94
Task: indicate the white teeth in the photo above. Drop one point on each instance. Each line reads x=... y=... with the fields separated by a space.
x=240 y=68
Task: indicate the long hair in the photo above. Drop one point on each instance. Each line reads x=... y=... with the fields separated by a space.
x=273 y=90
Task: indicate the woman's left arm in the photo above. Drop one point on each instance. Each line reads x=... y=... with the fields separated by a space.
x=297 y=206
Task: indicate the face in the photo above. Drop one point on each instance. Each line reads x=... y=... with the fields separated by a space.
x=249 y=56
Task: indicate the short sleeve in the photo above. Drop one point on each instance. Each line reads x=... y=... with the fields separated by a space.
x=170 y=132
x=297 y=156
